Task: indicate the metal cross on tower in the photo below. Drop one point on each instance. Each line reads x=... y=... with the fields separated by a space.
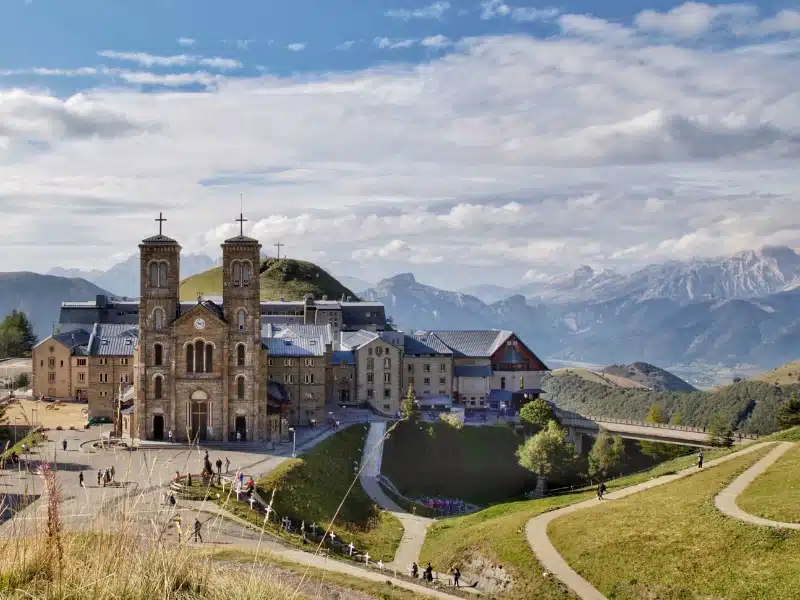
x=279 y=245
x=241 y=220
x=160 y=220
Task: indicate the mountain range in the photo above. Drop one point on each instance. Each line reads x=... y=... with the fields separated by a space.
x=742 y=309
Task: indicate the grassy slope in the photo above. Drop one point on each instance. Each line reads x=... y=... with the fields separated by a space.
x=312 y=487
x=650 y=376
x=751 y=405
x=785 y=375
x=608 y=380
x=496 y=534
x=671 y=543
x=774 y=494
x=476 y=464
x=286 y=278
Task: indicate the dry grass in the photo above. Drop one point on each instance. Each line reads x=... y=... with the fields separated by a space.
x=613 y=381
x=48 y=414
x=671 y=543
x=785 y=375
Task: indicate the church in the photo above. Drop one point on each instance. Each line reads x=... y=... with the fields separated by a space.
x=198 y=368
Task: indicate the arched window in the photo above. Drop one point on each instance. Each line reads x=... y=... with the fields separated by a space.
x=190 y=358
x=240 y=319
x=158 y=387
x=153 y=274
x=240 y=355
x=158 y=355
x=199 y=350
x=162 y=274
x=158 y=318
x=502 y=383
x=237 y=272
x=246 y=273
x=209 y=358
x=240 y=388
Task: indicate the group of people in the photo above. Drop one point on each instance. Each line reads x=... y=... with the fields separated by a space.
x=445 y=505
x=427 y=574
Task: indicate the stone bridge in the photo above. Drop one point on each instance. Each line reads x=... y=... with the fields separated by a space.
x=579 y=426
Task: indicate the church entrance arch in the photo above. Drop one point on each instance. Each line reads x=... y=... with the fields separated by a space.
x=240 y=427
x=198 y=415
x=158 y=427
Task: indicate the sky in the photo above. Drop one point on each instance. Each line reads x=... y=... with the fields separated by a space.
x=465 y=141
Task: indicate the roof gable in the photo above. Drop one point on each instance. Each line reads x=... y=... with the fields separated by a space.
x=112 y=340
x=471 y=344
x=206 y=307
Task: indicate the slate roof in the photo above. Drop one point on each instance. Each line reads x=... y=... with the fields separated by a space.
x=471 y=344
x=113 y=340
x=242 y=239
x=324 y=333
x=473 y=371
x=425 y=344
x=159 y=240
x=354 y=314
x=343 y=357
x=355 y=339
x=496 y=395
x=293 y=347
x=74 y=337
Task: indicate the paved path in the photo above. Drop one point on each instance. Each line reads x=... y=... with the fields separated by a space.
x=552 y=561
x=414 y=528
x=726 y=499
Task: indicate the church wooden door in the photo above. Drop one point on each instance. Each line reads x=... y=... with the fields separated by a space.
x=199 y=414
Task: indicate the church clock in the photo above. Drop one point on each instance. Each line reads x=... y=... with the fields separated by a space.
x=199 y=324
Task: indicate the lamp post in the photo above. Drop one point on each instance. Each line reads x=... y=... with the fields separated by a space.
x=294 y=441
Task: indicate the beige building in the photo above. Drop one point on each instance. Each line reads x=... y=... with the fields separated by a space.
x=378 y=366
x=427 y=366
x=110 y=358
x=52 y=366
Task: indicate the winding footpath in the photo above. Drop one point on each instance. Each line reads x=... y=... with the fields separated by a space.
x=414 y=528
x=725 y=501
x=552 y=561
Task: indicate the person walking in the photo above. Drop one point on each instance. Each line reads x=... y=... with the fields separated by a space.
x=80 y=479
x=699 y=460
x=414 y=570
x=99 y=477
x=219 y=470
x=112 y=472
x=227 y=465
x=456 y=576
x=197 y=526
x=429 y=573
x=169 y=436
x=64 y=445
x=601 y=489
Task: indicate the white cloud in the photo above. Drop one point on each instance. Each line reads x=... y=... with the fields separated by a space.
x=432 y=11
x=436 y=41
x=494 y=8
x=505 y=155
x=693 y=18
x=297 y=46
x=786 y=21
x=179 y=60
x=186 y=41
x=346 y=45
x=388 y=44
x=243 y=44
x=491 y=9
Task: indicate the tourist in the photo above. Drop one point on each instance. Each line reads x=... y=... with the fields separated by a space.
x=414 y=570
x=172 y=499
x=601 y=489
x=219 y=470
x=227 y=465
x=429 y=573
x=112 y=472
x=99 y=477
x=700 y=460
x=80 y=479
x=169 y=436
x=197 y=526
x=456 y=576
x=64 y=445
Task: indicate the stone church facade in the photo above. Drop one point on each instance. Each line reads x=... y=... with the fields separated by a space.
x=198 y=369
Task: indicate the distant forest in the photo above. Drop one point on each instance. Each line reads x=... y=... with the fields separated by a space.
x=750 y=406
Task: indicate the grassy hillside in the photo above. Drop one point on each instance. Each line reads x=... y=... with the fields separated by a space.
x=286 y=278
x=785 y=375
x=750 y=405
x=651 y=377
x=608 y=380
x=769 y=496
x=476 y=464
x=310 y=488
x=671 y=543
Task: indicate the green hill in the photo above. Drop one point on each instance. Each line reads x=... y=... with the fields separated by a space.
x=749 y=405
x=650 y=376
x=285 y=278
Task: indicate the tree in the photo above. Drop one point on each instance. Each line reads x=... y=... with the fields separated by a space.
x=452 y=420
x=408 y=404
x=720 y=432
x=547 y=452
x=676 y=418
x=538 y=413
x=22 y=381
x=659 y=451
x=655 y=414
x=16 y=336
x=606 y=454
x=789 y=412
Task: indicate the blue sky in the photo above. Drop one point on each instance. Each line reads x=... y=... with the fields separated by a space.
x=460 y=140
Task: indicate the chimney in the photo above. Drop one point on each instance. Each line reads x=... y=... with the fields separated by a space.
x=342 y=297
x=101 y=300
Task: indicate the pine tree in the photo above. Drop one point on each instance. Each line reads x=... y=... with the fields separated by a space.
x=789 y=412
x=17 y=338
x=408 y=404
